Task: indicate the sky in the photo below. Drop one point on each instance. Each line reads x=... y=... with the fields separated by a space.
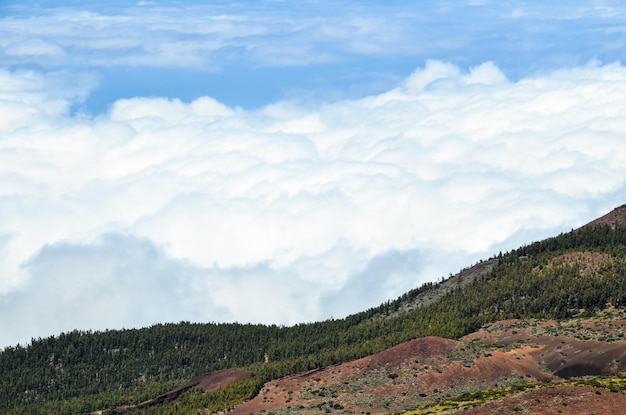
x=283 y=162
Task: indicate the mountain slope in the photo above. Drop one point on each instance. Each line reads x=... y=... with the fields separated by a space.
x=573 y=275
x=613 y=219
x=424 y=372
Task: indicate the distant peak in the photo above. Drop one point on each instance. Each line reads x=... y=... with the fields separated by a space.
x=616 y=217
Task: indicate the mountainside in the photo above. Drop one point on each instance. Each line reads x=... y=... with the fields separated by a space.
x=524 y=323
x=431 y=373
x=615 y=218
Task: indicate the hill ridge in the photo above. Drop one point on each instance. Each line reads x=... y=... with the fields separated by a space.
x=616 y=217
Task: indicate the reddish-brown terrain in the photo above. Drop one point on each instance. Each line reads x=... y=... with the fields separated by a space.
x=614 y=218
x=215 y=380
x=508 y=367
x=208 y=383
x=553 y=400
x=429 y=370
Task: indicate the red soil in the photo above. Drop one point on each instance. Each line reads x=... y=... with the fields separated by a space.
x=210 y=382
x=425 y=370
x=214 y=381
x=421 y=370
x=616 y=217
x=570 y=400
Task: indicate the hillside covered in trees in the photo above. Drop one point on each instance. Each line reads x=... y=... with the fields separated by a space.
x=574 y=274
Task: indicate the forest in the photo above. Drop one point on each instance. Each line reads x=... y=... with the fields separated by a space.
x=81 y=372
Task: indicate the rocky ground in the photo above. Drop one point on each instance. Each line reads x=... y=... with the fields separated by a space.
x=423 y=373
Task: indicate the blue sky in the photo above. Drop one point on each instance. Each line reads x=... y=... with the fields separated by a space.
x=281 y=162
x=284 y=49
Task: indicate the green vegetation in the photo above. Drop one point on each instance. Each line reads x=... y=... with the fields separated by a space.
x=612 y=383
x=468 y=400
x=80 y=372
x=195 y=401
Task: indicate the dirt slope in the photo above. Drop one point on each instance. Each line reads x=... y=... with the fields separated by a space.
x=616 y=217
x=209 y=382
x=428 y=370
x=456 y=282
x=570 y=400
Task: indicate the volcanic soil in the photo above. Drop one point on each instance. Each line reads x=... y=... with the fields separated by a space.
x=425 y=371
x=553 y=400
x=208 y=383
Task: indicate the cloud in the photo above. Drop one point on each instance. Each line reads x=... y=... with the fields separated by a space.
x=113 y=282
x=291 y=212
x=119 y=280
x=390 y=272
x=35 y=47
x=250 y=55
x=217 y=36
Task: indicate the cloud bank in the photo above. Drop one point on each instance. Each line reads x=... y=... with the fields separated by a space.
x=164 y=210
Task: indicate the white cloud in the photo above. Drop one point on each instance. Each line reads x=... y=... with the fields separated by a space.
x=212 y=36
x=116 y=281
x=220 y=213
x=35 y=47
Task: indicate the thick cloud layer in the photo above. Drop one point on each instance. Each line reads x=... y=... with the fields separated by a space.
x=162 y=210
x=361 y=182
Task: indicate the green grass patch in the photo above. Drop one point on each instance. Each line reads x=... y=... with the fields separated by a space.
x=471 y=399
